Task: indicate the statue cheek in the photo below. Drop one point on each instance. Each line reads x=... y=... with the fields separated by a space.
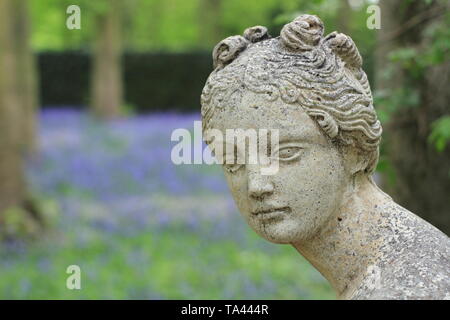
x=238 y=185
x=238 y=188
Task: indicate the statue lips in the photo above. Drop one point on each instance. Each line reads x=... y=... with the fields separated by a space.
x=269 y=213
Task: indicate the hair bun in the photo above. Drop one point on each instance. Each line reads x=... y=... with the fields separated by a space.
x=304 y=33
x=227 y=50
x=345 y=48
x=256 y=34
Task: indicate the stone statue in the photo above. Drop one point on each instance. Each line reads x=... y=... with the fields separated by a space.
x=322 y=200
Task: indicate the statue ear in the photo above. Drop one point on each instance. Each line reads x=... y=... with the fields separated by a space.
x=355 y=160
x=227 y=50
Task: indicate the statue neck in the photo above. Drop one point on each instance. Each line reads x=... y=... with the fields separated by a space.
x=348 y=244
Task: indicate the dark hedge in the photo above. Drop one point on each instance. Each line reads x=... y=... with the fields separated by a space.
x=63 y=78
x=152 y=81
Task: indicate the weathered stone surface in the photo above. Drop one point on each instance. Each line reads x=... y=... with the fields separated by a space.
x=322 y=200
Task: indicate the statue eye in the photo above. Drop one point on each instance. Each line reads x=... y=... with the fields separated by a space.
x=289 y=153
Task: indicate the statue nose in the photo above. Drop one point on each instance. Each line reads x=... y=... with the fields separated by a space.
x=259 y=186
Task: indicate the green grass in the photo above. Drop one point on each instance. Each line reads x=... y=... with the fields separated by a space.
x=174 y=264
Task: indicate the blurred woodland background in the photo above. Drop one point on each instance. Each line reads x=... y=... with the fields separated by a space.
x=86 y=117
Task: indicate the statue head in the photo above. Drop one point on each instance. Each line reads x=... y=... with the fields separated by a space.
x=312 y=89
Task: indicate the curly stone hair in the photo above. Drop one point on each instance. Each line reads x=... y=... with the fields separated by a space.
x=323 y=75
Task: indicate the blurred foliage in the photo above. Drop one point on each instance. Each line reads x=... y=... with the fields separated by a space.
x=440 y=134
x=49 y=23
x=179 y=25
x=30 y=220
x=434 y=52
x=17 y=222
x=176 y=26
x=414 y=62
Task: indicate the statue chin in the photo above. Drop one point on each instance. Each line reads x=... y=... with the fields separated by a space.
x=312 y=90
x=278 y=231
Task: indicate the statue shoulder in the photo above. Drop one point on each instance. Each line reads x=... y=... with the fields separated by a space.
x=414 y=261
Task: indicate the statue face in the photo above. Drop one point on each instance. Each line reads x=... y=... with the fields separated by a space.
x=291 y=205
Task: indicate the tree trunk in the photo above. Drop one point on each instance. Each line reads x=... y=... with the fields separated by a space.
x=106 y=86
x=422 y=175
x=12 y=187
x=210 y=17
x=26 y=73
